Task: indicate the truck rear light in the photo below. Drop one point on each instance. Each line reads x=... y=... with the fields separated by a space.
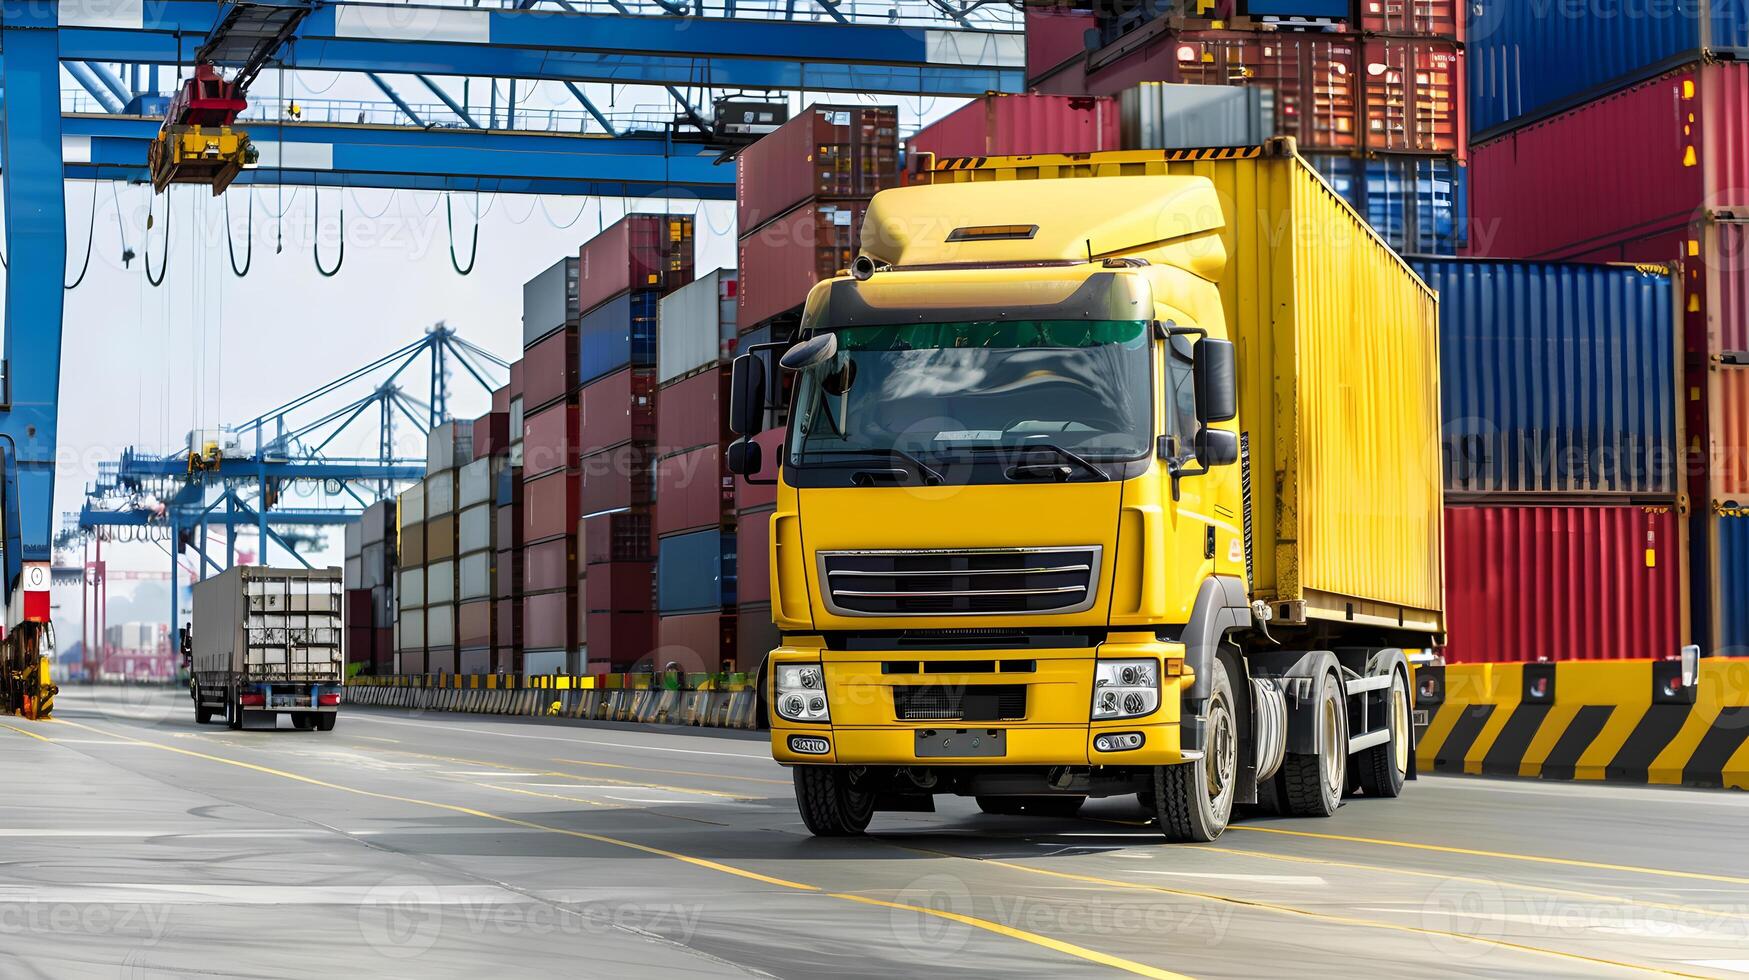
x=248 y=700
x=325 y=700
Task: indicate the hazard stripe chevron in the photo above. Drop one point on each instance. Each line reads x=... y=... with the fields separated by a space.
x=1597 y=720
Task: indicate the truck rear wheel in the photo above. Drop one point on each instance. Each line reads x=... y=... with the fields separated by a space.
x=830 y=803
x=325 y=720
x=202 y=713
x=302 y=721
x=1194 y=800
x=1312 y=783
x=234 y=713
x=1037 y=806
x=1384 y=767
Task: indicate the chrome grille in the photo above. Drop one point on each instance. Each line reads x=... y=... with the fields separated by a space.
x=944 y=702
x=960 y=583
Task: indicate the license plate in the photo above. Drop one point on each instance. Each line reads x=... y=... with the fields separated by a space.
x=291 y=701
x=975 y=743
x=1422 y=717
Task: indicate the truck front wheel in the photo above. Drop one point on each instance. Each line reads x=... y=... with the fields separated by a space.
x=1194 y=800
x=830 y=802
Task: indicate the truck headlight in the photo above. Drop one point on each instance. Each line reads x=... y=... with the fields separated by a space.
x=801 y=692
x=1125 y=688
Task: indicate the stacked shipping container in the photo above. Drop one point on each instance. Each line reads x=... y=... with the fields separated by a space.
x=449 y=447
x=551 y=486
x=369 y=581
x=507 y=517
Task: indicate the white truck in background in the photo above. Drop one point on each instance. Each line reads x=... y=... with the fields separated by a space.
x=267 y=642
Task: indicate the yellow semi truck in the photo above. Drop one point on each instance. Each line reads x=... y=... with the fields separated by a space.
x=1104 y=474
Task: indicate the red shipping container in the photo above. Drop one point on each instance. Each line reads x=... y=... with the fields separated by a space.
x=501 y=401
x=619 y=407
x=753 y=557
x=548 y=619
x=693 y=490
x=639 y=251
x=1414 y=97
x=1730 y=434
x=507 y=622
x=550 y=506
x=1414 y=18
x=492 y=432
x=621 y=536
x=825 y=151
x=1053 y=37
x=783 y=260
x=384 y=655
x=1562 y=583
x=548 y=565
x=693 y=412
x=621 y=586
x=1009 y=125
x=771 y=454
x=1315 y=77
x=517 y=382
x=474 y=623
x=696 y=641
x=618 y=478
x=1725 y=269
x=620 y=641
x=549 y=439
x=358 y=611
x=549 y=370
x=412 y=661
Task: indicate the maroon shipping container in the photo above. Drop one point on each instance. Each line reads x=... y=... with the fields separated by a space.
x=620 y=640
x=1316 y=77
x=1562 y=583
x=639 y=251
x=753 y=556
x=621 y=536
x=474 y=623
x=1414 y=97
x=619 y=407
x=358 y=641
x=509 y=525
x=358 y=613
x=1053 y=37
x=507 y=622
x=826 y=151
x=549 y=439
x=507 y=574
x=693 y=490
x=548 y=618
x=1725 y=270
x=696 y=641
x=550 y=506
x=549 y=370
x=1009 y=125
x=621 y=586
x=501 y=402
x=693 y=412
x=783 y=260
x=492 y=432
x=518 y=384
x=1414 y=18
x=616 y=479
x=771 y=454
x=548 y=565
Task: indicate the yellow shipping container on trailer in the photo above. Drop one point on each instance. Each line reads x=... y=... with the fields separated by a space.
x=1125 y=483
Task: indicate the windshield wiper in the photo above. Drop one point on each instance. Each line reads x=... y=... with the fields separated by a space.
x=1022 y=465
x=928 y=474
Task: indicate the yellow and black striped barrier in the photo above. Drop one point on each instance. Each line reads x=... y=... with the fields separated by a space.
x=1631 y=721
x=706 y=700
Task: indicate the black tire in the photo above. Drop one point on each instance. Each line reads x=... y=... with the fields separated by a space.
x=1312 y=783
x=1194 y=800
x=1034 y=806
x=234 y=713
x=325 y=720
x=1383 y=768
x=302 y=721
x=202 y=714
x=830 y=804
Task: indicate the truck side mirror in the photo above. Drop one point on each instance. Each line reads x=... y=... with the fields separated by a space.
x=1216 y=374
x=1216 y=447
x=747 y=395
x=746 y=457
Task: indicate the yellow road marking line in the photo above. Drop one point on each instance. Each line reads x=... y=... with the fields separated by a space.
x=550 y=796
x=1093 y=956
x=1081 y=952
x=40 y=738
x=675 y=772
x=1472 y=852
x=571 y=775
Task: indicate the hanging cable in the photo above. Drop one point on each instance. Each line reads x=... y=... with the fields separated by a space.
x=316 y=235
x=127 y=254
x=249 y=237
x=164 y=266
x=367 y=215
x=449 y=217
x=542 y=198
x=90 y=238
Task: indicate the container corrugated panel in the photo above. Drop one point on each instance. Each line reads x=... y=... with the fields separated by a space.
x=507 y=622
x=473 y=660
x=550 y=371
x=474 y=529
x=374 y=565
x=474 y=485
x=378 y=521
x=1529 y=199
x=1415 y=18
x=440 y=582
x=827 y=151
x=763 y=494
x=620 y=640
x=1726 y=271
x=622 y=536
x=621 y=586
x=1414 y=97
x=1730 y=434
x=617 y=479
x=412 y=631
x=449 y=445
x=492 y=433
x=618 y=333
x=549 y=300
x=1562 y=583
x=1009 y=124
x=548 y=619
x=697 y=325
x=1724 y=95
x=781 y=261
x=410 y=505
x=507 y=486
x=352 y=572
x=695 y=571
x=474 y=625
x=1731 y=601
x=1529 y=59
x=550 y=439
x=440 y=538
x=755 y=636
x=548 y=565
x=620 y=407
x=753 y=557
x=353 y=538
x=474 y=576
x=693 y=412
x=693 y=490
x=639 y=251
x=508 y=527
x=1556 y=377
x=1169 y=116
x=440 y=625
x=439 y=492
x=1053 y=37
x=695 y=641
x=412 y=544
x=551 y=507
x=507 y=575
x=1418 y=204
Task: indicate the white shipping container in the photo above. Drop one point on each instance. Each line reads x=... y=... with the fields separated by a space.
x=440 y=582
x=440 y=626
x=449 y=445
x=374 y=570
x=475 y=483
x=1167 y=116
x=354 y=536
x=269 y=624
x=412 y=501
x=697 y=325
x=412 y=587
x=440 y=493
x=475 y=529
x=378 y=519
x=538 y=662
x=476 y=576
x=354 y=577
x=410 y=632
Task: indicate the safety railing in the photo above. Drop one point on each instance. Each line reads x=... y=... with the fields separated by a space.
x=702 y=700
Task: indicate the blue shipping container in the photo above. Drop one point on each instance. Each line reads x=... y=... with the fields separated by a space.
x=1418 y=204
x=504 y=493
x=1556 y=377
x=695 y=572
x=1528 y=60
x=1732 y=596
x=619 y=332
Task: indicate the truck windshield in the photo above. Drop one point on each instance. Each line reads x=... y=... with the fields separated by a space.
x=939 y=389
